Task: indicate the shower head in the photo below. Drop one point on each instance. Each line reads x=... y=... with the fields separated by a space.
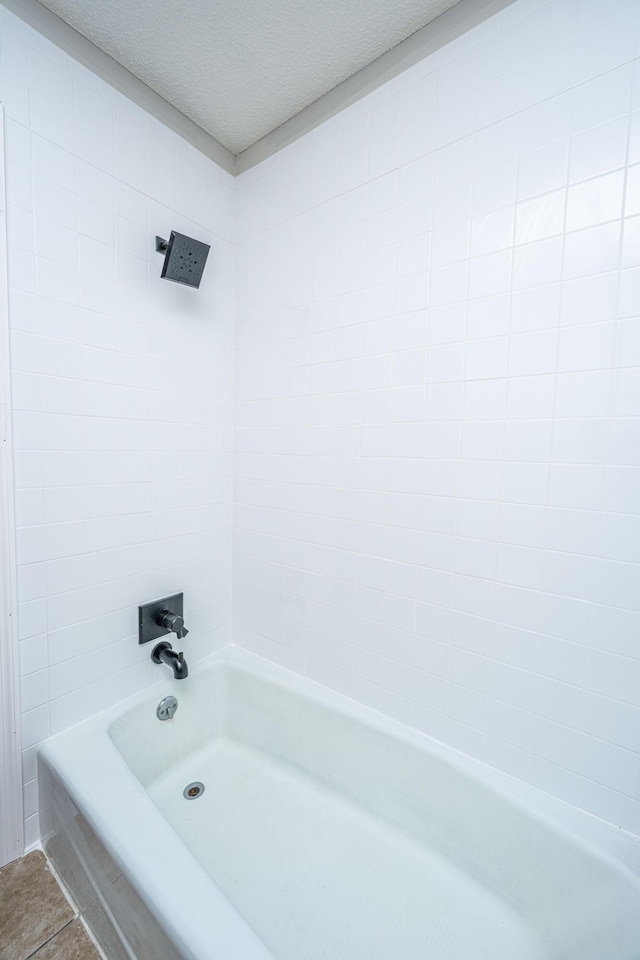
x=184 y=258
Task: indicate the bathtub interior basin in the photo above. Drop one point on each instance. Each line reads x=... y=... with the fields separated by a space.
x=326 y=831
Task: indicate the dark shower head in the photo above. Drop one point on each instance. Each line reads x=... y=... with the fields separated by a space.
x=184 y=258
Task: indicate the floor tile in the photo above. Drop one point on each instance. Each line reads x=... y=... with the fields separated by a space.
x=32 y=907
x=72 y=943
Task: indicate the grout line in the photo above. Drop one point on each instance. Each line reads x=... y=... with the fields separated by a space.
x=77 y=916
x=52 y=937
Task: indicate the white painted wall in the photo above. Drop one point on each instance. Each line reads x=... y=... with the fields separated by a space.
x=121 y=386
x=11 y=815
x=437 y=445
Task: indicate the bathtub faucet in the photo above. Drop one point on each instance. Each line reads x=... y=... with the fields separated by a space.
x=163 y=652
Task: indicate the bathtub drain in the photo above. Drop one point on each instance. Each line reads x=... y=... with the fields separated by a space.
x=193 y=790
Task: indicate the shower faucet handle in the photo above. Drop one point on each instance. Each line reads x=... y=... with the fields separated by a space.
x=173 y=622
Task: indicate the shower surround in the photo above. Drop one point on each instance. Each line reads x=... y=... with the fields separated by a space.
x=434 y=337
x=437 y=443
x=121 y=382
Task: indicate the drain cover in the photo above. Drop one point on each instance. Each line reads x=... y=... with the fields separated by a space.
x=193 y=790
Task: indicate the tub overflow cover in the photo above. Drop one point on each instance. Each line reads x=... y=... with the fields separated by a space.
x=193 y=790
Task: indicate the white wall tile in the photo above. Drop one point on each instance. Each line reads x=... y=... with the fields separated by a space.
x=598 y=150
x=595 y=201
x=86 y=548
x=521 y=480
x=436 y=395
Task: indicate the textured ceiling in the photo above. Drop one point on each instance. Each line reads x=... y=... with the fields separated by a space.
x=240 y=68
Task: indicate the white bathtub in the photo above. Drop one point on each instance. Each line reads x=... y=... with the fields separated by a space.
x=325 y=832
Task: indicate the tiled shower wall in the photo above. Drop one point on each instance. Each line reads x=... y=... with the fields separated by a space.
x=437 y=444
x=438 y=400
x=122 y=386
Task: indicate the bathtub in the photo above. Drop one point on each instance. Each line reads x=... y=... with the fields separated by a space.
x=325 y=832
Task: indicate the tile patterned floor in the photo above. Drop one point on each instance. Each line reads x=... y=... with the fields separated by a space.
x=36 y=919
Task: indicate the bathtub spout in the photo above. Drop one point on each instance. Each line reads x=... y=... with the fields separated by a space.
x=164 y=653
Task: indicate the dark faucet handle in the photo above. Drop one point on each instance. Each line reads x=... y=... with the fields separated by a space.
x=173 y=622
